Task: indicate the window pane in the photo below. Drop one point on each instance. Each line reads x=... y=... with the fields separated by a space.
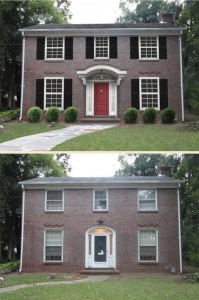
x=146 y=194
x=53 y=238
x=53 y=253
x=148 y=238
x=54 y=195
x=148 y=253
x=54 y=205
x=99 y=204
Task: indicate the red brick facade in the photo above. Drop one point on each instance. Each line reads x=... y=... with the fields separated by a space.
x=122 y=217
x=168 y=69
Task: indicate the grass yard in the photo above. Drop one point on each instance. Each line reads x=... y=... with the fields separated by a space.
x=137 y=288
x=136 y=137
x=14 y=130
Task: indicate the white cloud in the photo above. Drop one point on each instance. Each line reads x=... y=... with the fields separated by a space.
x=93 y=164
x=94 y=11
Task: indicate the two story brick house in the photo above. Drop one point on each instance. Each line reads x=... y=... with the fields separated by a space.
x=130 y=224
x=103 y=69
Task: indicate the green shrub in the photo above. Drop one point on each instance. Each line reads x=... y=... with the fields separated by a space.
x=149 y=115
x=52 y=114
x=168 y=115
x=195 y=107
x=131 y=115
x=9 y=115
x=9 y=267
x=194 y=258
x=71 y=114
x=34 y=114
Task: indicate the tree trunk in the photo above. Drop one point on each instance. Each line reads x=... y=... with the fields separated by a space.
x=0 y=94
x=1 y=258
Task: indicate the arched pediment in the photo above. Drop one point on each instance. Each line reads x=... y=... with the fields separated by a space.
x=101 y=69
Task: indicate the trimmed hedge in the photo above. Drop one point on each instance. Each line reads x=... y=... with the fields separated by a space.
x=130 y=115
x=9 y=115
x=9 y=267
x=149 y=115
x=52 y=114
x=168 y=115
x=71 y=114
x=34 y=114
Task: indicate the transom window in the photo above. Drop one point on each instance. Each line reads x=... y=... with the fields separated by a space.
x=53 y=245
x=101 y=47
x=148 y=240
x=149 y=48
x=54 y=201
x=100 y=201
x=149 y=93
x=147 y=200
x=54 y=48
x=54 y=92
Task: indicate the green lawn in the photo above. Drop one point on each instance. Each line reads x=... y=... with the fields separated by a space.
x=14 y=130
x=138 y=288
x=136 y=137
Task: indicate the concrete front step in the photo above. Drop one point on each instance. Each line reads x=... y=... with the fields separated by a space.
x=101 y=119
x=100 y=272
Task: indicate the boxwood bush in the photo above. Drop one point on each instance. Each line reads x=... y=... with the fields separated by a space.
x=34 y=114
x=149 y=115
x=71 y=114
x=130 y=115
x=168 y=115
x=9 y=267
x=9 y=115
x=52 y=114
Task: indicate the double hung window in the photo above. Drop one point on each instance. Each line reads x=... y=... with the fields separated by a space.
x=149 y=48
x=53 y=245
x=100 y=201
x=54 y=201
x=54 y=92
x=101 y=47
x=149 y=93
x=148 y=245
x=54 y=48
x=147 y=200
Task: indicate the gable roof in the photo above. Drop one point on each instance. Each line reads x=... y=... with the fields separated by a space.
x=116 y=181
x=101 y=29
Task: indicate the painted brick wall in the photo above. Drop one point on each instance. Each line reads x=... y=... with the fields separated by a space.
x=123 y=217
x=165 y=69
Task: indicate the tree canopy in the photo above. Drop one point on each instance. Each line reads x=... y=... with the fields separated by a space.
x=13 y=169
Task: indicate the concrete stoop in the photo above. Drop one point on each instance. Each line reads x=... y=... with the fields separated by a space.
x=100 y=120
x=100 y=272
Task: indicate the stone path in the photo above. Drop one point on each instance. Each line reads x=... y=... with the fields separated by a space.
x=95 y=278
x=47 y=140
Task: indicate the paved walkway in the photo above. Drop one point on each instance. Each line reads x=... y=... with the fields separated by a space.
x=47 y=140
x=95 y=278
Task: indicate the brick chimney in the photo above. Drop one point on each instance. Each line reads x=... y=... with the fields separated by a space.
x=164 y=171
x=166 y=18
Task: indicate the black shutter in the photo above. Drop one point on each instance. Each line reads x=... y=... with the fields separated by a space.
x=162 y=47
x=113 y=47
x=40 y=93
x=163 y=94
x=67 y=93
x=40 y=48
x=90 y=47
x=134 y=47
x=135 y=97
x=68 y=48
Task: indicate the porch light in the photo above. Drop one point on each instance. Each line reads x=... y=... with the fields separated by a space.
x=101 y=75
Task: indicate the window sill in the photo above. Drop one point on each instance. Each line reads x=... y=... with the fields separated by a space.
x=53 y=263
x=54 y=60
x=149 y=60
x=53 y=212
x=147 y=211
x=100 y=211
x=148 y=263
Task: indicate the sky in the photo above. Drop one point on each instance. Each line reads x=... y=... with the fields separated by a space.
x=94 y=11
x=93 y=164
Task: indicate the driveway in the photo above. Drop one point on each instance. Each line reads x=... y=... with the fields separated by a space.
x=48 y=140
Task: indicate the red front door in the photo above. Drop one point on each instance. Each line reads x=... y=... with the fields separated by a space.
x=101 y=99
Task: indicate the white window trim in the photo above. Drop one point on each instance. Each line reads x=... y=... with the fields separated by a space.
x=157 y=246
x=100 y=58
x=149 y=58
x=140 y=92
x=63 y=49
x=99 y=210
x=45 y=79
x=138 y=200
x=46 y=193
x=44 y=255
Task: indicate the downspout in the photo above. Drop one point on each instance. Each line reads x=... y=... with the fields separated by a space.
x=181 y=76
x=22 y=230
x=179 y=231
x=22 y=77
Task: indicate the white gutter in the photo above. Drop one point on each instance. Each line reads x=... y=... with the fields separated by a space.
x=181 y=77
x=179 y=232
x=22 y=77
x=22 y=230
